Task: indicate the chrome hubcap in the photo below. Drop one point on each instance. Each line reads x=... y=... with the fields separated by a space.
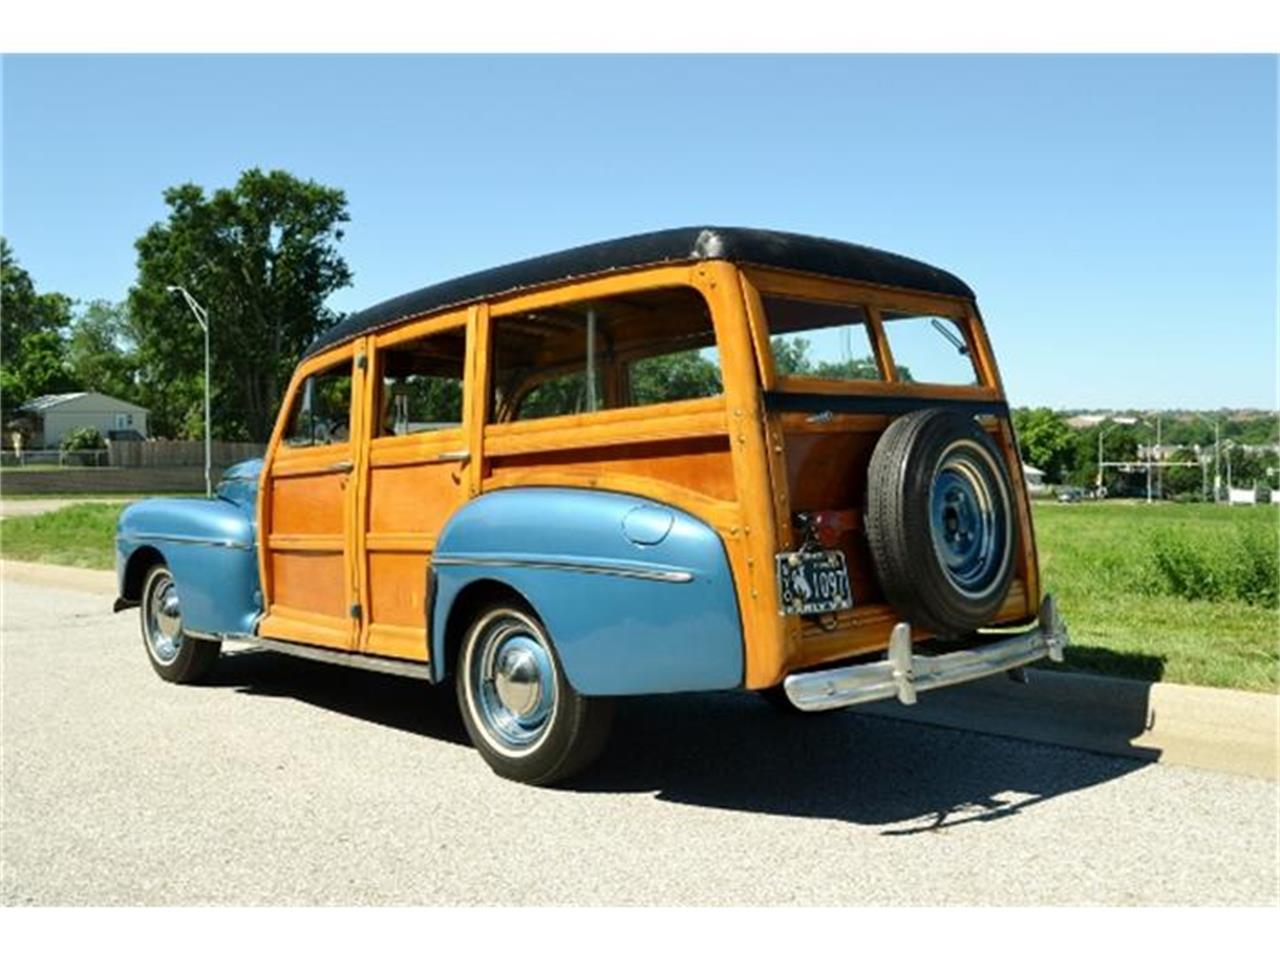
x=968 y=518
x=512 y=681
x=164 y=619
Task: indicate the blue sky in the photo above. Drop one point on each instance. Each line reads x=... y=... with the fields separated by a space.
x=1116 y=215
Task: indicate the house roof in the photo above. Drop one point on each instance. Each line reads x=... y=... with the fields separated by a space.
x=767 y=248
x=51 y=400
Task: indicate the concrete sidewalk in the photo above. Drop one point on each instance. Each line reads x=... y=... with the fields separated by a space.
x=1233 y=731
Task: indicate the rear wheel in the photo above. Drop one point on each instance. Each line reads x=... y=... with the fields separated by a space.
x=940 y=521
x=521 y=713
x=175 y=656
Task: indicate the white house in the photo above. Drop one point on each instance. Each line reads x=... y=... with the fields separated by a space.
x=1035 y=478
x=56 y=414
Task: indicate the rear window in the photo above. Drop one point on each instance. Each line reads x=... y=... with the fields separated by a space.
x=928 y=348
x=826 y=341
x=643 y=348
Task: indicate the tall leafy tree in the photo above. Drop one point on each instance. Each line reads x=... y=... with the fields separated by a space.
x=1046 y=441
x=32 y=328
x=101 y=353
x=262 y=257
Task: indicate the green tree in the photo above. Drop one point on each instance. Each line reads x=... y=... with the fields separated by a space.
x=791 y=359
x=262 y=258
x=32 y=327
x=1047 y=442
x=674 y=376
x=1184 y=481
x=101 y=353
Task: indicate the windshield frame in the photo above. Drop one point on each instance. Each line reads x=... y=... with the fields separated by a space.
x=759 y=282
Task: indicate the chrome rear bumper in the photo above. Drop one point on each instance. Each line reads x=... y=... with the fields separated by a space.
x=903 y=674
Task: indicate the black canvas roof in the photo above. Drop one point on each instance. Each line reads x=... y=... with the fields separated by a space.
x=766 y=248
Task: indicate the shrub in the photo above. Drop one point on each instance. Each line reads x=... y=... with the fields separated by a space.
x=1244 y=567
x=83 y=438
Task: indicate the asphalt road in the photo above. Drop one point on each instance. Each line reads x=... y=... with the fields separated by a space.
x=287 y=782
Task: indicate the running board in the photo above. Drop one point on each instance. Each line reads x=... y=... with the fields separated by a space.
x=342 y=658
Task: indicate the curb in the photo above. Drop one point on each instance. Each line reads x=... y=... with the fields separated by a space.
x=1231 y=731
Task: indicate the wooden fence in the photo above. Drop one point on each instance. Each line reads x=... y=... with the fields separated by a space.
x=180 y=453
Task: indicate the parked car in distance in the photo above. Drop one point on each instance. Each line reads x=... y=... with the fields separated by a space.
x=1070 y=495
x=698 y=459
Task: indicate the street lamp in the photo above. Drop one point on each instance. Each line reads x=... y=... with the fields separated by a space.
x=1102 y=432
x=1152 y=453
x=202 y=318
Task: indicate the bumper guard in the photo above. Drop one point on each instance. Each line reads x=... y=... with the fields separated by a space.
x=903 y=674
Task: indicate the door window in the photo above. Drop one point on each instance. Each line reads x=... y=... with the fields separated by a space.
x=420 y=384
x=322 y=409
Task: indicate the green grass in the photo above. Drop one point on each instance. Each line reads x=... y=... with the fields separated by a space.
x=80 y=535
x=127 y=495
x=1181 y=593
x=1119 y=571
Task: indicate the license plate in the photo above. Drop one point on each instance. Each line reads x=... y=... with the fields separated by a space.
x=813 y=581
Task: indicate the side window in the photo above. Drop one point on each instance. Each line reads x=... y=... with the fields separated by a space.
x=826 y=341
x=321 y=412
x=420 y=384
x=647 y=347
x=928 y=348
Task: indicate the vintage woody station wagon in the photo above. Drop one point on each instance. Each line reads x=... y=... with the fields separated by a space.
x=698 y=459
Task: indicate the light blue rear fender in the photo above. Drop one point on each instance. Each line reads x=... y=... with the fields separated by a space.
x=210 y=547
x=636 y=595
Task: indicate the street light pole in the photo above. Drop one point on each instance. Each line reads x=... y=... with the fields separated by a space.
x=1102 y=432
x=202 y=318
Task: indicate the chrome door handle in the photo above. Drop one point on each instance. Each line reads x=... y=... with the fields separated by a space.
x=342 y=466
x=454 y=456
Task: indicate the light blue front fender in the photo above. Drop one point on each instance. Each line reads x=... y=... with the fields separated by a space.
x=211 y=549
x=637 y=596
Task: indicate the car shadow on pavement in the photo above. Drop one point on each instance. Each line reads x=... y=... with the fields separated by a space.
x=402 y=703
x=734 y=751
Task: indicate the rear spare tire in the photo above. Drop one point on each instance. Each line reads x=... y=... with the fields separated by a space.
x=940 y=521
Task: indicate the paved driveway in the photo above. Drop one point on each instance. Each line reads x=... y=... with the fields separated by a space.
x=287 y=782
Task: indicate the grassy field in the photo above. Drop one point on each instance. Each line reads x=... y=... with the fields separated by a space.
x=1182 y=593
x=1179 y=592
x=81 y=535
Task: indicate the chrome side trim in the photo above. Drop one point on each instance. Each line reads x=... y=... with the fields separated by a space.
x=187 y=538
x=903 y=674
x=661 y=574
x=343 y=658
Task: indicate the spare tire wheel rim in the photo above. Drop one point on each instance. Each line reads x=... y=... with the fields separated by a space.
x=969 y=519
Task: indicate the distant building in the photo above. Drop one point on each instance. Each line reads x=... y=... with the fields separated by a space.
x=1035 y=478
x=1083 y=421
x=56 y=414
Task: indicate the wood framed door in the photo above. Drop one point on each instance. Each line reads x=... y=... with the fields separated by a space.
x=416 y=475
x=307 y=522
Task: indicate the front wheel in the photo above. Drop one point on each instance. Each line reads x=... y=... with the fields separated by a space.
x=521 y=713
x=175 y=656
